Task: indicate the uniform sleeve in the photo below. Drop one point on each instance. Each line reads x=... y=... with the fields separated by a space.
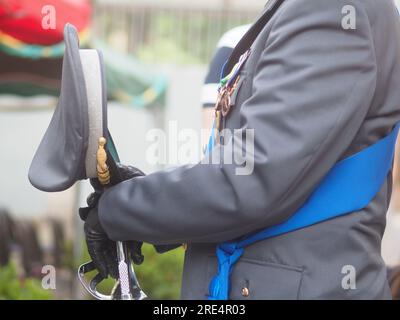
x=311 y=91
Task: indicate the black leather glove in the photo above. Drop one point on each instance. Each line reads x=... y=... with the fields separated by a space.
x=101 y=249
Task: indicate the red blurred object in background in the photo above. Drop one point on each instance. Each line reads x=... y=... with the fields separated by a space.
x=22 y=19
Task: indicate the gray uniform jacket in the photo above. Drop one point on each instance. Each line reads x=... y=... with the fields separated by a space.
x=314 y=93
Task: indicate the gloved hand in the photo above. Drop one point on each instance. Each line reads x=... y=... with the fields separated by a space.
x=101 y=249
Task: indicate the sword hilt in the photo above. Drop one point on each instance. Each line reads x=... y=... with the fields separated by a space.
x=127 y=286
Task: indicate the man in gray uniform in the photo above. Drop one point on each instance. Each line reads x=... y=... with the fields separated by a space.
x=315 y=90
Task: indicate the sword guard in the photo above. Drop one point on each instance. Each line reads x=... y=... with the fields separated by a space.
x=92 y=284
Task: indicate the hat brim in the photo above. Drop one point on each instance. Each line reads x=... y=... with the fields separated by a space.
x=67 y=152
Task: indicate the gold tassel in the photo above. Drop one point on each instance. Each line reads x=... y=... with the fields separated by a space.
x=103 y=174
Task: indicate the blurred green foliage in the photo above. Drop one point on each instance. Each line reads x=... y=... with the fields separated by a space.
x=14 y=288
x=162 y=36
x=171 y=53
x=160 y=275
x=166 y=49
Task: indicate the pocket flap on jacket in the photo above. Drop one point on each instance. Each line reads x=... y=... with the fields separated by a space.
x=264 y=280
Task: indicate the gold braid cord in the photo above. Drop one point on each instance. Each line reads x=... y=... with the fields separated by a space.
x=103 y=174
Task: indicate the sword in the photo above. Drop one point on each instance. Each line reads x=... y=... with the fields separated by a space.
x=127 y=286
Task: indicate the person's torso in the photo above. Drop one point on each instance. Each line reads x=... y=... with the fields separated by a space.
x=312 y=263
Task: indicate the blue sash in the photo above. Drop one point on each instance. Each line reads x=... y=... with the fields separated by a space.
x=349 y=186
